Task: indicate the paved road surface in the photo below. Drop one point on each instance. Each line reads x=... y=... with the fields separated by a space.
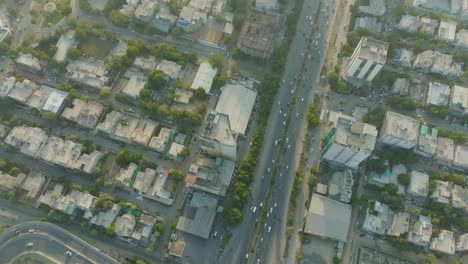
x=48 y=240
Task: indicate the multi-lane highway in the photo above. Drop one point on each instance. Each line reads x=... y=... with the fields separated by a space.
x=287 y=125
x=50 y=241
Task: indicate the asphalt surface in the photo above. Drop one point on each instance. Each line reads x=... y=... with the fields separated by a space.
x=48 y=240
x=272 y=239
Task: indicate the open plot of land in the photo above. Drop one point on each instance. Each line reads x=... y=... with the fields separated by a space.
x=318 y=251
x=32 y=258
x=95 y=47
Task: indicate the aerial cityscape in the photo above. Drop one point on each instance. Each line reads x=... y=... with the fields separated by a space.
x=233 y=131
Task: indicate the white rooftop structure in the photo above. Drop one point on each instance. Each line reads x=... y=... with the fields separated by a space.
x=237 y=100
x=33 y=183
x=5 y=27
x=341 y=184
x=22 y=91
x=11 y=182
x=460 y=159
x=204 y=77
x=183 y=96
x=375 y=8
x=217 y=138
x=144 y=131
x=199 y=220
x=447 y=30
x=462 y=39
x=409 y=23
x=7 y=85
x=442 y=192
x=462 y=243
x=124 y=176
x=109 y=124
x=268 y=5
x=201 y=5
x=427 y=141
x=144 y=180
x=445 y=65
x=328 y=218
x=369 y=23
x=419 y=184
x=424 y=60
x=85 y=114
x=175 y=150
x=89 y=73
x=145 y=11
x=438 y=94
x=399 y=130
x=445 y=151
x=65 y=42
x=459 y=99
x=106 y=218
x=404 y=58
x=134 y=85
x=169 y=68
x=29 y=61
x=28 y=139
x=444 y=243
x=55 y=101
x=124 y=225
x=145 y=64
x=190 y=19
x=158 y=191
x=428 y=25
x=401 y=86
x=377 y=218
x=421 y=232
x=399 y=224
x=159 y=142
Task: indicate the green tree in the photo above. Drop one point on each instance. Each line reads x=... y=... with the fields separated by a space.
x=217 y=61
x=400 y=244
x=118 y=18
x=404 y=179
x=123 y=158
x=105 y=92
x=177 y=31
x=145 y=94
x=232 y=215
x=176 y=173
x=49 y=116
x=110 y=230
x=155 y=80
x=73 y=53
x=200 y=94
x=14 y=171
x=430 y=259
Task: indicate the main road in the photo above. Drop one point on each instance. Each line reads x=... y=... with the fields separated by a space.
x=286 y=123
x=50 y=241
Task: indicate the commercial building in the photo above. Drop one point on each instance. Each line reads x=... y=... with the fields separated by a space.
x=28 y=139
x=427 y=141
x=256 y=39
x=460 y=155
x=204 y=77
x=85 y=114
x=88 y=73
x=399 y=131
x=28 y=62
x=403 y=57
x=267 y=5
x=438 y=94
x=461 y=40
x=375 y=8
x=428 y=25
x=136 y=82
x=210 y=174
x=421 y=231
x=217 y=138
x=367 y=60
x=199 y=214
x=237 y=101
x=462 y=243
x=170 y=69
x=190 y=19
x=459 y=100
x=399 y=224
x=371 y=24
x=445 y=151
x=328 y=218
x=447 y=31
x=409 y=23
x=341 y=186
x=65 y=42
x=348 y=143
x=444 y=243
x=377 y=218
x=419 y=184
x=444 y=64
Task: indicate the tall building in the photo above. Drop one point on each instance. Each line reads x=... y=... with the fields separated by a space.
x=217 y=138
x=348 y=143
x=367 y=60
x=399 y=131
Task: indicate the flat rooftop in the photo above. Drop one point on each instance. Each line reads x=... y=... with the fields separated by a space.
x=401 y=126
x=373 y=50
x=198 y=216
x=217 y=127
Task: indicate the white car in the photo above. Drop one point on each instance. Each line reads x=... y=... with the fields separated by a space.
x=268 y=170
x=275 y=205
x=30 y=244
x=68 y=253
x=276 y=142
x=271 y=210
x=269 y=229
x=289 y=146
x=272 y=161
x=292 y=91
x=261 y=204
x=215 y=233
x=284 y=123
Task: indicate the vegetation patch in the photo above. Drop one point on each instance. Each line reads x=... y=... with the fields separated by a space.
x=32 y=258
x=95 y=47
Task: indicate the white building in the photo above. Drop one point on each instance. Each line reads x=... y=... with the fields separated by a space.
x=204 y=77
x=460 y=160
x=65 y=42
x=421 y=232
x=462 y=39
x=216 y=137
x=459 y=100
x=5 y=27
x=462 y=243
x=444 y=243
x=447 y=30
x=399 y=130
x=135 y=84
x=445 y=151
x=399 y=224
x=89 y=73
x=190 y=19
x=427 y=142
x=438 y=94
x=349 y=142
x=29 y=62
x=368 y=59
x=145 y=11
x=170 y=69
x=377 y=218
x=442 y=192
x=419 y=184
x=445 y=65
x=424 y=60
x=428 y=25
x=409 y=23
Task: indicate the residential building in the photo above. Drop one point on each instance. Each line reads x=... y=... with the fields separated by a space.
x=33 y=184
x=159 y=143
x=447 y=30
x=143 y=181
x=267 y=5
x=55 y=100
x=237 y=101
x=127 y=176
x=218 y=7
x=175 y=151
x=159 y=190
x=328 y=218
x=210 y=174
x=201 y=5
x=401 y=86
x=7 y=85
x=190 y=19
x=442 y=192
x=5 y=26
x=88 y=73
x=145 y=64
x=428 y=25
x=403 y=57
x=409 y=23
x=367 y=60
x=119 y=49
x=444 y=243
x=199 y=214
x=176 y=248
x=29 y=62
x=341 y=186
x=145 y=11
x=9 y=183
x=377 y=218
x=459 y=100
x=144 y=229
x=85 y=114
x=424 y=60
x=109 y=124
x=143 y=132
x=348 y=143
x=217 y=138
x=65 y=42
x=182 y=96
x=421 y=231
x=70 y=202
x=170 y=69
x=124 y=129
x=399 y=224
x=28 y=139
x=390 y=176
x=375 y=8
x=204 y=77
x=419 y=184
x=459 y=197
x=164 y=20
x=39 y=97
x=371 y=24
x=438 y=94
x=460 y=155
x=462 y=243
x=443 y=64
x=256 y=39
x=106 y=218
x=136 y=82
x=427 y=142
x=445 y=151
x=461 y=40
x=124 y=225
x=22 y=91
x=399 y=130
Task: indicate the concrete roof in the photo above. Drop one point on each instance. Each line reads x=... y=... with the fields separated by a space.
x=442 y=192
x=28 y=139
x=369 y=23
x=199 y=215
x=444 y=243
x=33 y=183
x=169 y=68
x=176 y=248
x=460 y=157
x=144 y=180
x=54 y=101
x=377 y=218
x=375 y=7
x=399 y=224
x=459 y=100
x=409 y=23
x=110 y=122
x=146 y=64
x=65 y=42
x=462 y=39
x=124 y=225
x=124 y=175
x=22 y=91
x=10 y=182
x=204 y=77
x=237 y=101
x=428 y=25
x=400 y=126
x=160 y=141
x=106 y=218
x=419 y=184
x=29 y=60
x=445 y=150
x=424 y=59
x=175 y=149
x=462 y=243
x=7 y=85
x=328 y=218
x=447 y=30
x=144 y=131
x=373 y=49
x=124 y=129
x=183 y=96
x=438 y=94
x=421 y=232
x=217 y=126
x=86 y=114
x=134 y=85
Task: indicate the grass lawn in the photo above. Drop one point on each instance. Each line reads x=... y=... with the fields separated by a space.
x=95 y=47
x=32 y=258
x=52 y=19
